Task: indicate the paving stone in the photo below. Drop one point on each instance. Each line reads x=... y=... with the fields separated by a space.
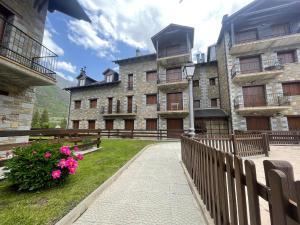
x=153 y=190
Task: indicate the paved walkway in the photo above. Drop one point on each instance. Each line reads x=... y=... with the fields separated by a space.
x=153 y=190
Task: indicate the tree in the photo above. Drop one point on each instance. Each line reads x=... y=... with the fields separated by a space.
x=35 y=123
x=44 y=121
x=63 y=123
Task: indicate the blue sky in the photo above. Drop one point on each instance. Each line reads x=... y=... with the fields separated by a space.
x=120 y=26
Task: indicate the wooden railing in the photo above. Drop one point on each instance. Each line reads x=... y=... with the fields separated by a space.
x=232 y=196
x=277 y=137
x=242 y=145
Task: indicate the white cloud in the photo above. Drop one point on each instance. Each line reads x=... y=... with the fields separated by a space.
x=134 y=22
x=66 y=77
x=49 y=43
x=66 y=66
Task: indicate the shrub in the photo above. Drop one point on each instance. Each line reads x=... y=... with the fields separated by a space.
x=41 y=165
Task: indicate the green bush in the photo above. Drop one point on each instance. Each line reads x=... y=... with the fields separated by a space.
x=41 y=165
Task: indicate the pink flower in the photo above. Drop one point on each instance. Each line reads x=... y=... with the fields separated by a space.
x=56 y=174
x=47 y=155
x=76 y=148
x=65 y=150
x=72 y=162
x=72 y=170
x=62 y=163
x=80 y=157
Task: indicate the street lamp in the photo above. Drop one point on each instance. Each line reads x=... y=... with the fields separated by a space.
x=189 y=73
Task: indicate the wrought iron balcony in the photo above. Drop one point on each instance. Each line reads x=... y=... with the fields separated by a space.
x=208 y=104
x=19 y=47
x=119 y=110
x=168 y=84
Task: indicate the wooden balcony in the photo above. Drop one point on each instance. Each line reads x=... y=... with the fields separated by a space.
x=270 y=42
x=24 y=61
x=251 y=72
x=172 y=84
x=175 y=110
x=254 y=105
x=179 y=57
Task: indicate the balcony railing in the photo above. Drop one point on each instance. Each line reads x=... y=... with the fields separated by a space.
x=256 y=67
x=118 y=109
x=208 y=104
x=274 y=99
x=17 y=46
x=167 y=53
x=175 y=106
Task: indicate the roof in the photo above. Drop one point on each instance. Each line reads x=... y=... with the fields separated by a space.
x=256 y=8
x=209 y=113
x=69 y=7
x=151 y=56
x=96 y=84
x=109 y=70
x=83 y=74
x=172 y=28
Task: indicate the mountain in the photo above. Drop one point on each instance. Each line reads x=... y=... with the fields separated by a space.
x=54 y=99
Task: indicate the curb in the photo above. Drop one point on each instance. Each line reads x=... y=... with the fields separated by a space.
x=207 y=217
x=76 y=212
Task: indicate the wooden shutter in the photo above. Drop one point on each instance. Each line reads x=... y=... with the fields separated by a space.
x=174 y=128
x=294 y=122
x=151 y=76
x=92 y=124
x=280 y=29
x=291 y=88
x=110 y=103
x=129 y=124
x=174 y=101
x=258 y=123
x=75 y=124
x=129 y=104
x=286 y=57
x=93 y=103
x=214 y=102
x=254 y=96
x=250 y=64
x=173 y=75
x=151 y=99
x=151 y=124
x=109 y=124
x=130 y=81
x=77 y=104
x=246 y=36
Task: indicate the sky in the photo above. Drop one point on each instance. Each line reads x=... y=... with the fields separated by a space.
x=119 y=27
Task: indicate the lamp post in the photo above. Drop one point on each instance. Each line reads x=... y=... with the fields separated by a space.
x=189 y=73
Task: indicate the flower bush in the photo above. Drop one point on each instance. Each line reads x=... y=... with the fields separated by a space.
x=41 y=165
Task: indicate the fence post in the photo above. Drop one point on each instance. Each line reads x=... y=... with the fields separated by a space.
x=118 y=132
x=278 y=197
x=131 y=133
x=233 y=138
x=266 y=145
x=98 y=139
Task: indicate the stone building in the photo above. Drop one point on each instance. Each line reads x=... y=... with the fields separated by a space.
x=151 y=91
x=24 y=61
x=258 y=53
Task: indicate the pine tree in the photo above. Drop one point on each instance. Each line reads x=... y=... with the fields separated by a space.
x=35 y=123
x=44 y=121
x=63 y=123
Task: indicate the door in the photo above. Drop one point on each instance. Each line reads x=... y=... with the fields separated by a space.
x=109 y=124
x=151 y=124
x=129 y=124
x=110 y=101
x=174 y=128
x=258 y=123
x=173 y=75
x=254 y=96
x=92 y=124
x=129 y=104
x=250 y=64
x=174 y=101
x=294 y=123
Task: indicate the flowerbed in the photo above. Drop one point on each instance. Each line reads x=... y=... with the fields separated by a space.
x=41 y=165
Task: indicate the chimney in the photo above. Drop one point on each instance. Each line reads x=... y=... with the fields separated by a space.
x=137 y=52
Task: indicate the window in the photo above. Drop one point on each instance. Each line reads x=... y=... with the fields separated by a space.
x=93 y=103
x=195 y=83
x=4 y=93
x=129 y=104
x=292 y=88
x=151 y=76
x=286 y=57
x=214 y=102
x=151 y=99
x=196 y=103
x=246 y=36
x=77 y=104
x=110 y=105
x=250 y=64
x=151 y=124
x=75 y=124
x=109 y=78
x=174 y=101
x=280 y=29
x=174 y=75
x=212 y=81
x=92 y=124
x=130 y=82
x=81 y=82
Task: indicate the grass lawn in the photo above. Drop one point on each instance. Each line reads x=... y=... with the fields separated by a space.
x=48 y=206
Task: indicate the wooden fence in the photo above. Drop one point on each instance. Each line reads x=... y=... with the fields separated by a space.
x=242 y=145
x=231 y=195
x=277 y=137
